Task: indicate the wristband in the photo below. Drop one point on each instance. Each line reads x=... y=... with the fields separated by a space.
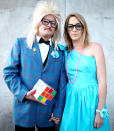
x=103 y=112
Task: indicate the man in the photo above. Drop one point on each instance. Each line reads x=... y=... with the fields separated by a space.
x=33 y=58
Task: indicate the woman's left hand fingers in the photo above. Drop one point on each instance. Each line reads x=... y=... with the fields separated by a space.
x=98 y=121
x=95 y=125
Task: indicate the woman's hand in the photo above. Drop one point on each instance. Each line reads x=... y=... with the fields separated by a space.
x=98 y=120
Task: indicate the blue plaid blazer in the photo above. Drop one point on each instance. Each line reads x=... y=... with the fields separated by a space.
x=22 y=70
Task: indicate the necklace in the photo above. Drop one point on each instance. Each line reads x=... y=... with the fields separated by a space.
x=72 y=82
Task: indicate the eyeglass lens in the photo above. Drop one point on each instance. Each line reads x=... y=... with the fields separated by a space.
x=77 y=26
x=46 y=22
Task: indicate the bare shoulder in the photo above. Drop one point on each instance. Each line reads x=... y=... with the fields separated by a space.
x=96 y=49
x=95 y=45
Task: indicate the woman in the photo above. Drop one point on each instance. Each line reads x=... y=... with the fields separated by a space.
x=85 y=108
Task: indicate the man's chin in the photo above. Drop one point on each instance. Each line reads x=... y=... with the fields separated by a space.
x=47 y=36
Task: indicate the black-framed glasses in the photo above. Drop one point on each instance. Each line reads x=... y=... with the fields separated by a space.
x=46 y=23
x=77 y=26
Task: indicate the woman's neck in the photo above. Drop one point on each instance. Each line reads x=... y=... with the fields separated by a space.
x=77 y=45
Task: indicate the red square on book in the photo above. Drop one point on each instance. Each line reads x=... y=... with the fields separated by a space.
x=50 y=91
x=47 y=89
x=47 y=95
x=43 y=93
x=50 y=98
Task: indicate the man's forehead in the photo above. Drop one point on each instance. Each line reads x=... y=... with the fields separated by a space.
x=50 y=17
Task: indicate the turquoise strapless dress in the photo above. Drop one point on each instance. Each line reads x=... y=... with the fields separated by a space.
x=82 y=96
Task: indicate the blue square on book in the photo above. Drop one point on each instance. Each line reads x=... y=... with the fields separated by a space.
x=47 y=102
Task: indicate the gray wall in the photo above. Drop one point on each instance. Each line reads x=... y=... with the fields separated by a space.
x=15 y=18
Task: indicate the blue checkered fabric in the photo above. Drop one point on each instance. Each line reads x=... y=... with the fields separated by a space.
x=23 y=69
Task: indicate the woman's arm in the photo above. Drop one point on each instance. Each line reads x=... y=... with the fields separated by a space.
x=101 y=76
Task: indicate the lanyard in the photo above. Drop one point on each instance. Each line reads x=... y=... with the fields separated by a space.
x=72 y=82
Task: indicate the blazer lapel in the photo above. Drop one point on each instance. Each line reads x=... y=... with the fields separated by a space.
x=36 y=53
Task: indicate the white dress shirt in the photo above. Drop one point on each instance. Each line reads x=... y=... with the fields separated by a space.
x=44 y=49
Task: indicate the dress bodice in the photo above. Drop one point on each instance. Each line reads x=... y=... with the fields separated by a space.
x=86 y=73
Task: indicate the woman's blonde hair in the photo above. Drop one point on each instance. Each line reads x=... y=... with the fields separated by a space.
x=85 y=34
x=43 y=8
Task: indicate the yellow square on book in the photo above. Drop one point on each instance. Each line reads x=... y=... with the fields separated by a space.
x=43 y=92
x=43 y=100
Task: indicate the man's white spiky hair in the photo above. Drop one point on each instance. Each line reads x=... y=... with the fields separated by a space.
x=43 y=8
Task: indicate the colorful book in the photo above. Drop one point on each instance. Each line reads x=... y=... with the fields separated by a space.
x=43 y=92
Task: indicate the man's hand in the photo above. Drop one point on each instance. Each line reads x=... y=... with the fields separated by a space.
x=55 y=119
x=30 y=96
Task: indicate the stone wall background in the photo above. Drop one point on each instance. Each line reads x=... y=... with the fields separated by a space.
x=15 y=18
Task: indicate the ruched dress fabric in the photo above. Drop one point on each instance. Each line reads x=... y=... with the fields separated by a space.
x=82 y=95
